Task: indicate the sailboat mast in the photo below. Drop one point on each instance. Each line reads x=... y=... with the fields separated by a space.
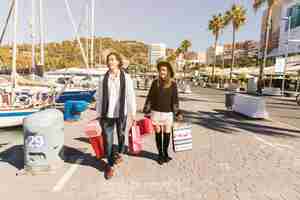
x=100 y=50
x=87 y=30
x=77 y=37
x=93 y=32
x=42 y=34
x=14 y=61
x=33 y=38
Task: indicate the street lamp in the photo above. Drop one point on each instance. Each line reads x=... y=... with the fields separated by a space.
x=287 y=51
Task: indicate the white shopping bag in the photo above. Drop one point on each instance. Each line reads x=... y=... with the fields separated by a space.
x=182 y=137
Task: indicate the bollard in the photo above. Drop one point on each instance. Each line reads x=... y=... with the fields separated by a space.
x=229 y=100
x=43 y=141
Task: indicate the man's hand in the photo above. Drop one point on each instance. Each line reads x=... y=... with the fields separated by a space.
x=92 y=106
x=147 y=115
x=98 y=118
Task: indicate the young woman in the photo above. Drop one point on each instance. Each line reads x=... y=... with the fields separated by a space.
x=162 y=104
x=115 y=102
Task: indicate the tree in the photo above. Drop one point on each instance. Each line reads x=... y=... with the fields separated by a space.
x=215 y=25
x=256 y=5
x=236 y=16
x=172 y=57
x=184 y=47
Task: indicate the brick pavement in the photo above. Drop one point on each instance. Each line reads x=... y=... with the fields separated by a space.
x=232 y=158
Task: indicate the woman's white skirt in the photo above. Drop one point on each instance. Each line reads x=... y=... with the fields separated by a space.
x=163 y=119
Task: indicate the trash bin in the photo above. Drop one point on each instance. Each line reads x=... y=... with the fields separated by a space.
x=73 y=109
x=252 y=85
x=43 y=140
x=298 y=99
x=229 y=100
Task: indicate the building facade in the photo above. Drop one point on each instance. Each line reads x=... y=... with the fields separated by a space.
x=290 y=9
x=156 y=51
x=245 y=51
x=279 y=46
x=274 y=31
x=210 y=54
x=202 y=58
x=247 y=48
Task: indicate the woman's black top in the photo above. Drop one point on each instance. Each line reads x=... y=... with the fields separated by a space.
x=162 y=99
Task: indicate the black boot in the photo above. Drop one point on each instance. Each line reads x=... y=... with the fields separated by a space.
x=166 y=142
x=158 y=139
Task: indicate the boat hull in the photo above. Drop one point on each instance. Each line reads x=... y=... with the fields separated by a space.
x=76 y=96
x=13 y=118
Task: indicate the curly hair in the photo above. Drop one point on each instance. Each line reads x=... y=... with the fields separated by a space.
x=118 y=57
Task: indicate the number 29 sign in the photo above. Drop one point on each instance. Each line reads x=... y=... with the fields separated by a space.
x=35 y=141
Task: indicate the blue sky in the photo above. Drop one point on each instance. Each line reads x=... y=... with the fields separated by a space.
x=151 y=21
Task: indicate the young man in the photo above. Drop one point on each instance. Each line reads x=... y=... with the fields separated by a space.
x=115 y=102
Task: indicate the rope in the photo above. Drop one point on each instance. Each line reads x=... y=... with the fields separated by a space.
x=77 y=37
x=7 y=20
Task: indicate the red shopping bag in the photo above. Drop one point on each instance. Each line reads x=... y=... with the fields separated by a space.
x=135 y=140
x=98 y=146
x=146 y=126
x=93 y=131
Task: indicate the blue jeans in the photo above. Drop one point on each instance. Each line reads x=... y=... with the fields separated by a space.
x=108 y=125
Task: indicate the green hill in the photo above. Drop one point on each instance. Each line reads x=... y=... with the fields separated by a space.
x=67 y=53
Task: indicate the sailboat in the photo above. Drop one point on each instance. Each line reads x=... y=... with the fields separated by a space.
x=12 y=110
x=79 y=93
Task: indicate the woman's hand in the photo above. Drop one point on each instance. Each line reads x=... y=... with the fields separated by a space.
x=132 y=120
x=179 y=117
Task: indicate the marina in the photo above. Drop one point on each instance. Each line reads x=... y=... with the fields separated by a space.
x=136 y=100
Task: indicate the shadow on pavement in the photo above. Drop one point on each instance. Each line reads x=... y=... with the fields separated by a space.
x=257 y=127
x=72 y=155
x=281 y=104
x=142 y=154
x=206 y=120
x=291 y=99
x=197 y=100
x=14 y=156
x=14 y=129
x=289 y=117
x=229 y=122
x=145 y=154
x=4 y=144
x=281 y=107
x=82 y=139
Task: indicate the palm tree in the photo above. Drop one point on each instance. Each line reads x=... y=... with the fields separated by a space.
x=256 y=5
x=215 y=25
x=172 y=58
x=178 y=51
x=184 y=47
x=236 y=16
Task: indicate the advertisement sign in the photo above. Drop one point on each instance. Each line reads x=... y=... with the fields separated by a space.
x=280 y=64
